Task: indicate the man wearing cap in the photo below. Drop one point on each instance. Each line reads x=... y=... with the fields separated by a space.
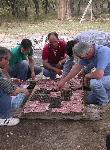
x=92 y=56
x=20 y=67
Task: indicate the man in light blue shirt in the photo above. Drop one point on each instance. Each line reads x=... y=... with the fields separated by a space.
x=91 y=37
x=98 y=57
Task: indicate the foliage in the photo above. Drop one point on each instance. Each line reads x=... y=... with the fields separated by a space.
x=24 y=9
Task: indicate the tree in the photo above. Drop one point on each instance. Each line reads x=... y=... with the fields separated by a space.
x=36 y=3
x=64 y=9
x=108 y=1
x=45 y=4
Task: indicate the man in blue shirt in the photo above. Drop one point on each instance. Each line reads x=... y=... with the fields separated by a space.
x=93 y=56
x=90 y=36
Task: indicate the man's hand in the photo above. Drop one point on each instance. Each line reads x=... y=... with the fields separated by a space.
x=58 y=71
x=59 y=65
x=81 y=74
x=33 y=75
x=87 y=79
x=26 y=92
x=60 y=84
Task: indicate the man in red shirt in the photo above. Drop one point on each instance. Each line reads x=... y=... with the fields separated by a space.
x=53 y=56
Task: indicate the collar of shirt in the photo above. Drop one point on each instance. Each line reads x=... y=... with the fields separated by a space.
x=54 y=49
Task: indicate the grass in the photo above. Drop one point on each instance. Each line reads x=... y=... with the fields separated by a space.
x=45 y=26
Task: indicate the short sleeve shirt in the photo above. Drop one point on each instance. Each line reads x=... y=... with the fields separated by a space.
x=54 y=55
x=94 y=36
x=18 y=56
x=5 y=84
x=101 y=59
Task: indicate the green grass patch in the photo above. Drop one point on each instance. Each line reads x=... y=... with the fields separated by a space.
x=45 y=26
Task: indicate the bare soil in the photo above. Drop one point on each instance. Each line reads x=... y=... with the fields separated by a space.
x=55 y=135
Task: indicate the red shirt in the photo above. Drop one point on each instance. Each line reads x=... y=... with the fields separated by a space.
x=54 y=55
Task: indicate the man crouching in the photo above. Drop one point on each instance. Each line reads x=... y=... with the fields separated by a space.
x=7 y=88
x=92 y=56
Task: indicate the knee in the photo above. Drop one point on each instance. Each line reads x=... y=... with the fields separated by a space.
x=37 y=70
x=94 y=83
x=24 y=64
x=46 y=72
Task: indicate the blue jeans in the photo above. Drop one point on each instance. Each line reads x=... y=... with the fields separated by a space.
x=22 y=71
x=100 y=91
x=68 y=65
x=5 y=105
x=49 y=73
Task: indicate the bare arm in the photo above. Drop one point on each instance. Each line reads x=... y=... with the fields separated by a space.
x=74 y=71
x=47 y=65
x=62 y=61
x=93 y=75
x=31 y=63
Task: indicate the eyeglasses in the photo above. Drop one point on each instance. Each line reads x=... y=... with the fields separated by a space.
x=6 y=58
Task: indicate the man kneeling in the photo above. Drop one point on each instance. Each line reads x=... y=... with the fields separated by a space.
x=7 y=88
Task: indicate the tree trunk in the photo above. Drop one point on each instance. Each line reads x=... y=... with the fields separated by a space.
x=46 y=6
x=12 y=4
x=78 y=8
x=26 y=11
x=64 y=9
x=72 y=7
x=36 y=3
x=108 y=1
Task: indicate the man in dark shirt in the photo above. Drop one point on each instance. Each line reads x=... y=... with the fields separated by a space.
x=53 y=56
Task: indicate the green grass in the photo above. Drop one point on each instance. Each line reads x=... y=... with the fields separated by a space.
x=67 y=27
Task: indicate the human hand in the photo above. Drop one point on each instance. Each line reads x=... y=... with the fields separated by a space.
x=60 y=84
x=15 y=80
x=58 y=71
x=26 y=92
x=59 y=65
x=33 y=75
x=87 y=79
x=81 y=74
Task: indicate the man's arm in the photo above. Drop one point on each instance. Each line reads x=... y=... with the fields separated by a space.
x=55 y=69
x=7 y=86
x=88 y=68
x=74 y=71
x=93 y=75
x=31 y=65
x=47 y=65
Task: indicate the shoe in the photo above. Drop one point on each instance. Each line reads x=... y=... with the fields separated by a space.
x=9 y=122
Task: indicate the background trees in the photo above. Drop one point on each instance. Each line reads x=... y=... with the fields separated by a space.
x=64 y=9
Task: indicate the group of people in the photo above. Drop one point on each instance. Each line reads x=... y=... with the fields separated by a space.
x=91 y=47
x=93 y=51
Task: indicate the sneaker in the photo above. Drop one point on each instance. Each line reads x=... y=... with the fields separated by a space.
x=9 y=122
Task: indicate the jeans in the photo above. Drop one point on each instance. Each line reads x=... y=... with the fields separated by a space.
x=49 y=73
x=5 y=105
x=100 y=91
x=68 y=65
x=22 y=71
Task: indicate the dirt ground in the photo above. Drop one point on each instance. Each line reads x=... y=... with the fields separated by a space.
x=53 y=134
